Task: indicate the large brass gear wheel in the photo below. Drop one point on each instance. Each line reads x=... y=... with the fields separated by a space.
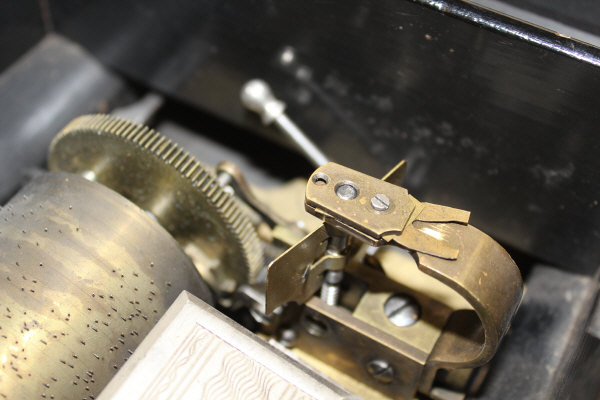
x=165 y=181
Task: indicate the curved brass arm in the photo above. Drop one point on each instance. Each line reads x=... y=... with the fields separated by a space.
x=444 y=244
x=486 y=276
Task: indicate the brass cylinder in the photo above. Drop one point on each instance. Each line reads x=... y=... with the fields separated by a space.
x=84 y=275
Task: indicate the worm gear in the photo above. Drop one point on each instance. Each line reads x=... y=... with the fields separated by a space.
x=165 y=181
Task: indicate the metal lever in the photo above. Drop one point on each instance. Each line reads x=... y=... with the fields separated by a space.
x=256 y=95
x=445 y=246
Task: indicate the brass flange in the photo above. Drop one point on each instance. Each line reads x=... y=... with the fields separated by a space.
x=165 y=181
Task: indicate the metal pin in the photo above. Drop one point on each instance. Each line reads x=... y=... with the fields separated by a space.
x=256 y=95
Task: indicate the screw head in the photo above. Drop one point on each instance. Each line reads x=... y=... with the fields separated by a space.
x=346 y=190
x=288 y=337
x=314 y=326
x=402 y=310
x=381 y=370
x=380 y=202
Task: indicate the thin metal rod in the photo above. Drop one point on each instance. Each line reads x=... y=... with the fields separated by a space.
x=308 y=148
x=256 y=95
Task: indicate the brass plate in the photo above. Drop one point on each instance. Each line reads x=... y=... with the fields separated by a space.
x=296 y=275
x=357 y=214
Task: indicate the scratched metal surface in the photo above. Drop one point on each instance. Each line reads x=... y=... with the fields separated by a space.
x=493 y=115
x=79 y=290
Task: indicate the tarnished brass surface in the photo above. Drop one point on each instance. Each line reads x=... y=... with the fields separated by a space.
x=444 y=247
x=297 y=275
x=288 y=200
x=348 y=344
x=354 y=385
x=161 y=178
x=459 y=255
x=400 y=266
x=423 y=334
x=351 y=340
x=359 y=218
x=84 y=276
x=486 y=276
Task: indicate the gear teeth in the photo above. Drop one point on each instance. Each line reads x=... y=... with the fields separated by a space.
x=188 y=161
x=151 y=140
x=156 y=145
x=145 y=137
x=199 y=176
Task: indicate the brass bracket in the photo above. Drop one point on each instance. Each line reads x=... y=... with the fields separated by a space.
x=444 y=245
